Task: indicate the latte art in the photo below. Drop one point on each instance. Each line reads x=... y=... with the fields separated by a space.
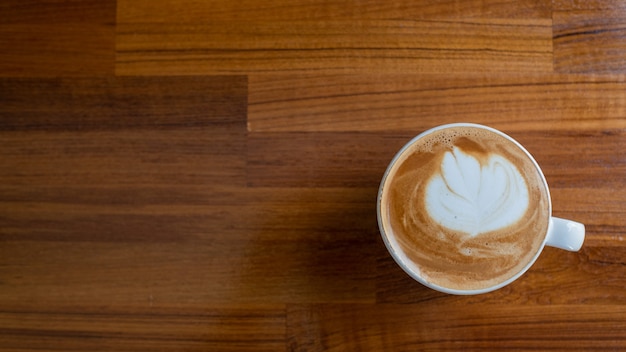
x=464 y=208
x=468 y=197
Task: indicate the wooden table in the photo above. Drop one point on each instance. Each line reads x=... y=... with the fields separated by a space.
x=180 y=175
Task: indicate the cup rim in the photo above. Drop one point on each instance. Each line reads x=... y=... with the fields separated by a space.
x=397 y=254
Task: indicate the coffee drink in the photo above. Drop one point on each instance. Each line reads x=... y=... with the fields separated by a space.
x=466 y=207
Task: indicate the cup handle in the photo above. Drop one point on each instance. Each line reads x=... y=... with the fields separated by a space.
x=566 y=234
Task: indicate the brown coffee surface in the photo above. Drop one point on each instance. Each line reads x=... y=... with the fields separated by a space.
x=453 y=258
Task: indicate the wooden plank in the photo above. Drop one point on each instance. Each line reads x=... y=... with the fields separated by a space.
x=57 y=11
x=304 y=214
x=581 y=159
x=280 y=10
x=415 y=102
x=44 y=275
x=321 y=159
x=216 y=103
x=164 y=213
x=70 y=38
x=590 y=37
x=219 y=328
x=333 y=46
x=68 y=50
x=123 y=158
x=450 y=326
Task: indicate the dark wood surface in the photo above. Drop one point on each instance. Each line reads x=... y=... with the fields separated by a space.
x=180 y=175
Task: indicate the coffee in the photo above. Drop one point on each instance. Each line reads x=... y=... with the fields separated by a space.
x=467 y=207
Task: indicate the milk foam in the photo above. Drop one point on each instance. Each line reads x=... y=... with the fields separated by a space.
x=474 y=198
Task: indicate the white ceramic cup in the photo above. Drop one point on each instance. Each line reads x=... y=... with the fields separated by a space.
x=561 y=233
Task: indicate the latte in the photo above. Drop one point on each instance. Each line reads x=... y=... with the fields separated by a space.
x=465 y=207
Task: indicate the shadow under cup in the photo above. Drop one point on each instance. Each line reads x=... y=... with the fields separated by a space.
x=464 y=209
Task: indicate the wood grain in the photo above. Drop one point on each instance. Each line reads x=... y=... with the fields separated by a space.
x=282 y=103
x=385 y=46
x=64 y=275
x=215 y=103
x=450 y=327
x=226 y=329
x=202 y=175
x=55 y=12
x=332 y=37
x=281 y=10
x=328 y=159
x=58 y=37
x=589 y=37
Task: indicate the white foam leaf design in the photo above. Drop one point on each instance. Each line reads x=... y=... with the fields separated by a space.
x=473 y=198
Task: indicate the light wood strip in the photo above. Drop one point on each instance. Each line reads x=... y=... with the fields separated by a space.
x=416 y=102
x=138 y=11
x=376 y=46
